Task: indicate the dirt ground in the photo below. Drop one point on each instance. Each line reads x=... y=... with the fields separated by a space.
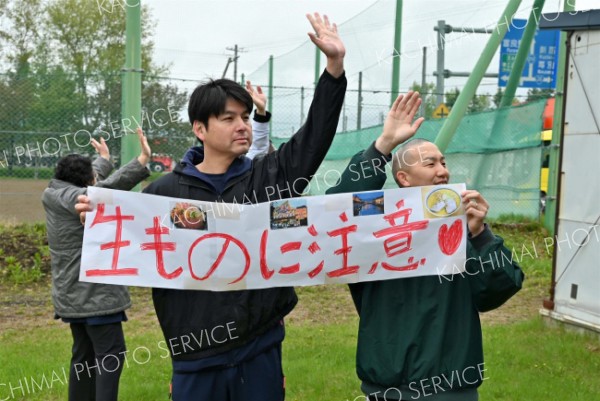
x=20 y=200
x=25 y=308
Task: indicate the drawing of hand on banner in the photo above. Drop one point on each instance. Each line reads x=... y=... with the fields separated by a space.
x=340 y=238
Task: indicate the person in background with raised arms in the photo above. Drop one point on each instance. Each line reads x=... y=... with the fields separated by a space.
x=260 y=123
x=420 y=338
x=94 y=311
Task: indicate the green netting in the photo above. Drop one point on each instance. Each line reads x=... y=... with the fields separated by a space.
x=497 y=153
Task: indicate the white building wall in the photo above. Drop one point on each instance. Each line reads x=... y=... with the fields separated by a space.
x=577 y=293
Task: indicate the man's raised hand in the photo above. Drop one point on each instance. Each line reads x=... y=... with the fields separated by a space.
x=101 y=148
x=146 y=153
x=399 y=126
x=326 y=38
x=258 y=98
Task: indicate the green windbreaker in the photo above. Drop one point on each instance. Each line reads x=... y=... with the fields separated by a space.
x=422 y=336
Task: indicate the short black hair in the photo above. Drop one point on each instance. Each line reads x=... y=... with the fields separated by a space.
x=209 y=99
x=75 y=169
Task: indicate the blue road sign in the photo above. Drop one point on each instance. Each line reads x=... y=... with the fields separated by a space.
x=540 y=67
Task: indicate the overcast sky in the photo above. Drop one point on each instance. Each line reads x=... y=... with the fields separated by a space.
x=193 y=36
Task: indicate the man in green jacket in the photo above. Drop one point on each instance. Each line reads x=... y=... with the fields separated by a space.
x=420 y=338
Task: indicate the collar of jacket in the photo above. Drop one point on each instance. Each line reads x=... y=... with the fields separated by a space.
x=58 y=184
x=195 y=155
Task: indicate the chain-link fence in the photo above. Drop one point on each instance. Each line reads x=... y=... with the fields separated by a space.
x=497 y=152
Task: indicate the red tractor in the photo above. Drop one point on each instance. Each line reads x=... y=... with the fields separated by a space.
x=161 y=162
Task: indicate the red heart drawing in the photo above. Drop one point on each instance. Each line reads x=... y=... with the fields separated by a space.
x=449 y=238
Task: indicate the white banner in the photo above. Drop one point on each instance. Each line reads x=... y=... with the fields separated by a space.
x=154 y=241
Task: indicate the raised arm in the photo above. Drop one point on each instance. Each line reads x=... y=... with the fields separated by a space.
x=260 y=122
x=133 y=172
x=366 y=170
x=326 y=38
x=295 y=162
x=102 y=166
x=124 y=178
x=399 y=126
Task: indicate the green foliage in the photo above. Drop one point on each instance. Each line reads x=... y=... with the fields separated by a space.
x=65 y=59
x=524 y=360
x=478 y=102
x=451 y=97
x=534 y=94
x=497 y=99
x=428 y=96
x=24 y=172
x=13 y=272
x=24 y=254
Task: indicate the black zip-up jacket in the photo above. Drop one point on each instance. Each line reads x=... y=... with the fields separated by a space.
x=282 y=174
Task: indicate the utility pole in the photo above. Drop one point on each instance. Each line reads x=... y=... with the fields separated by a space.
x=551 y=216
x=359 y=111
x=301 y=105
x=131 y=90
x=270 y=95
x=462 y=102
x=424 y=80
x=234 y=59
x=441 y=73
x=396 y=53
x=441 y=39
x=229 y=60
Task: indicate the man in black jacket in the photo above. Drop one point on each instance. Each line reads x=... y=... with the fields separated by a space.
x=241 y=359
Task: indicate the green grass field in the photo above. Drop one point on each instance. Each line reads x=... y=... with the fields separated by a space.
x=525 y=359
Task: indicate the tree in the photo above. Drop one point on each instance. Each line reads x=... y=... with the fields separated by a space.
x=20 y=41
x=3 y=33
x=497 y=99
x=91 y=45
x=167 y=132
x=23 y=34
x=451 y=97
x=534 y=94
x=478 y=102
x=63 y=61
x=428 y=96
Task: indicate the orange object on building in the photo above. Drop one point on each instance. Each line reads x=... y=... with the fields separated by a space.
x=548 y=116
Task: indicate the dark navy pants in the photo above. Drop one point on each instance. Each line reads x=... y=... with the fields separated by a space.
x=258 y=379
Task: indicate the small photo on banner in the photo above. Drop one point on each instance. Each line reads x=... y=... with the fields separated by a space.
x=289 y=213
x=188 y=216
x=367 y=204
x=440 y=202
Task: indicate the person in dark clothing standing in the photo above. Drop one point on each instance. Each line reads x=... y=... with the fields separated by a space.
x=245 y=364
x=420 y=338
